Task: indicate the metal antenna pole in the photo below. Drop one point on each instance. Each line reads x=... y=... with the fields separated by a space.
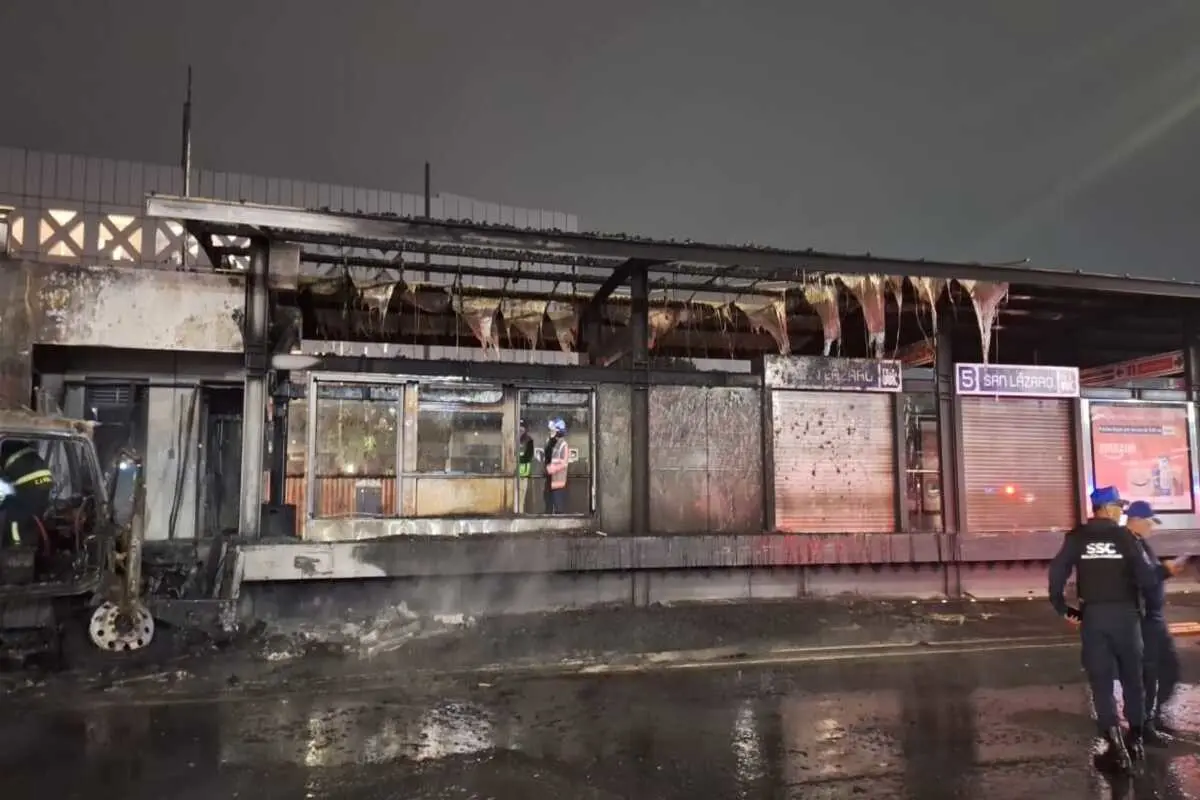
x=185 y=159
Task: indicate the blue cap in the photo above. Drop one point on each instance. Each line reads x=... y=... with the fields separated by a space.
x=1106 y=496
x=1140 y=509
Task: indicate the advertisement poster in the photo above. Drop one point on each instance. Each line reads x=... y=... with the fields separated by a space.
x=1143 y=451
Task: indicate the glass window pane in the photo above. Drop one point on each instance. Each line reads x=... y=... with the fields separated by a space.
x=354 y=467
x=460 y=432
x=297 y=446
x=922 y=463
x=537 y=409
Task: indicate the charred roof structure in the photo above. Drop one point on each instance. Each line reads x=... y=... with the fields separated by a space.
x=417 y=281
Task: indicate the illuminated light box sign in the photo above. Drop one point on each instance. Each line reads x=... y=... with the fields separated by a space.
x=1015 y=380
x=1144 y=451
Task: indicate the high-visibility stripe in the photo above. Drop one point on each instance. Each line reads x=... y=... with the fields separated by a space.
x=37 y=474
x=14 y=532
x=22 y=452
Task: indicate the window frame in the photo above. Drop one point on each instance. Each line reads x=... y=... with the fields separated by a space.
x=511 y=393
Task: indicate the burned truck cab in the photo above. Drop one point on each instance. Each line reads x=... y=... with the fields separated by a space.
x=80 y=573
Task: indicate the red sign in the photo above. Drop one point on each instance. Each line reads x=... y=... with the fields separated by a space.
x=1160 y=366
x=1144 y=451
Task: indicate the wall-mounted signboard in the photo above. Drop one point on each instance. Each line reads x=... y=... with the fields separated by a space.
x=1016 y=380
x=832 y=374
x=1144 y=450
x=1163 y=365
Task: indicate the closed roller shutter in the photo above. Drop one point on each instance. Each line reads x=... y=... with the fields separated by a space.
x=835 y=459
x=1018 y=465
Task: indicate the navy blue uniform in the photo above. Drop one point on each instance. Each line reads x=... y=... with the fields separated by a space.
x=1112 y=576
x=1160 y=669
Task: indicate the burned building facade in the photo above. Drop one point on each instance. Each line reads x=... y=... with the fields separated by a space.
x=343 y=392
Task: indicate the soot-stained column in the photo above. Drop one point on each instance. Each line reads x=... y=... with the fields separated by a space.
x=949 y=449
x=639 y=427
x=254 y=407
x=16 y=333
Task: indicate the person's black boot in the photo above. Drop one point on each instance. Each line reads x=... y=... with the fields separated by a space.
x=1133 y=742
x=1153 y=737
x=1114 y=758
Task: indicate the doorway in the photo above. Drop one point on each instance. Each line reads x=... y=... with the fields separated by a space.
x=220 y=460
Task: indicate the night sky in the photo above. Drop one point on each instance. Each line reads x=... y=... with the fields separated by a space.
x=1064 y=132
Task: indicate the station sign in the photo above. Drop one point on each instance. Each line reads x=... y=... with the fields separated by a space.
x=832 y=374
x=1016 y=380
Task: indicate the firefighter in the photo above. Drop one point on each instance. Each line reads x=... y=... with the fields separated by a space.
x=1160 y=667
x=1112 y=576
x=22 y=468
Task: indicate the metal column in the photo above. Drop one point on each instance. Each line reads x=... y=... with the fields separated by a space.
x=949 y=450
x=254 y=407
x=639 y=427
x=1191 y=356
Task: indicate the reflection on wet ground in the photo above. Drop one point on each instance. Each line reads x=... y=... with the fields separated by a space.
x=989 y=725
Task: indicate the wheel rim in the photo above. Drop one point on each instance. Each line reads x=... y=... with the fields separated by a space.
x=116 y=631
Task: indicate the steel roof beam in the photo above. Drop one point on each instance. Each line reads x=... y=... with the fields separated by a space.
x=754 y=262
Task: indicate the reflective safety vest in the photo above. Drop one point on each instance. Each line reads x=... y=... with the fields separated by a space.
x=525 y=447
x=557 y=468
x=32 y=472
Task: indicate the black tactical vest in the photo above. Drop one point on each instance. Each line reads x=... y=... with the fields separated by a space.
x=1103 y=574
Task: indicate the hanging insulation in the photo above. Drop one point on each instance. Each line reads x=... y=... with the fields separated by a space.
x=524 y=317
x=565 y=319
x=769 y=317
x=660 y=322
x=427 y=297
x=986 y=297
x=480 y=315
x=929 y=291
x=824 y=300
x=868 y=290
x=895 y=285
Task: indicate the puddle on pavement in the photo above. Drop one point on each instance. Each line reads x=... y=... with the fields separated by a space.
x=946 y=727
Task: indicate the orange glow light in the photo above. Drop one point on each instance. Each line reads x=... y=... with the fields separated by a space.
x=1010 y=490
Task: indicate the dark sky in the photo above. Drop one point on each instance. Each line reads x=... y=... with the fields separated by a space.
x=1062 y=131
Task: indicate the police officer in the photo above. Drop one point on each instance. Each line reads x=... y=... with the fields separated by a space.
x=1112 y=576
x=31 y=481
x=1160 y=668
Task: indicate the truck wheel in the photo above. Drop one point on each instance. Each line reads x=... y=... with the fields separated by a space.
x=116 y=632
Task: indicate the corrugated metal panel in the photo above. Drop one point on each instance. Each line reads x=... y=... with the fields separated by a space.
x=835 y=462
x=678 y=459
x=1018 y=464
x=339 y=496
x=735 y=461
x=705 y=460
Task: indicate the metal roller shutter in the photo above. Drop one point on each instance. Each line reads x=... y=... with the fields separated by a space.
x=1018 y=464
x=835 y=459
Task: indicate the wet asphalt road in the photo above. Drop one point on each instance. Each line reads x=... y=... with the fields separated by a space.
x=1009 y=724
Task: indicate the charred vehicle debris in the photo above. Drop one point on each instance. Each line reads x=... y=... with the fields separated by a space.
x=85 y=586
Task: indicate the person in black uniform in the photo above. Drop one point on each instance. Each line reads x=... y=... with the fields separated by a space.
x=31 y=480
x=1160 y=668
x=1112 y=576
